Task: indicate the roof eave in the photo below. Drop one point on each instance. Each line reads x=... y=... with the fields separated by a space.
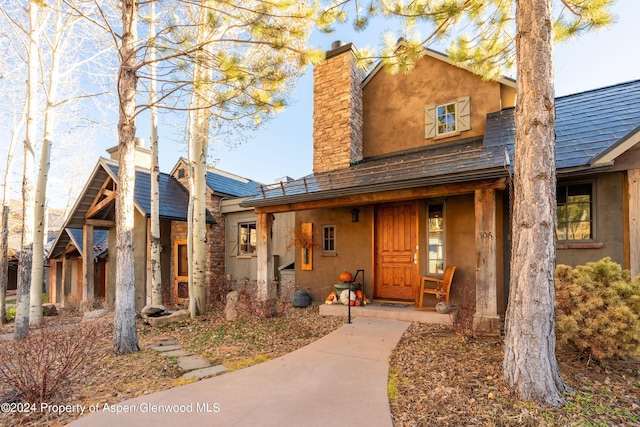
x=498 y=172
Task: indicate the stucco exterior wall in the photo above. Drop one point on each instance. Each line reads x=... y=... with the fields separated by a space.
x=238 y=267
x=353 y=250
x=394 y=105
x=609 y=230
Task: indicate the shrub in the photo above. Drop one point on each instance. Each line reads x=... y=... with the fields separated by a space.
x=598 y=309
x=49 y=361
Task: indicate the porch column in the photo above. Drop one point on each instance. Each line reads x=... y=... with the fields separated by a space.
x=266 y=287
x=633 y=226
x=486 y=319
x=87 y=263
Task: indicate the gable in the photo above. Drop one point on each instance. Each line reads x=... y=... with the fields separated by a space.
x=397 y=107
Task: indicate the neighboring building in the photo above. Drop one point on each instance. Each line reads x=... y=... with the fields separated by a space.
x=412 y=173
x=93 y=216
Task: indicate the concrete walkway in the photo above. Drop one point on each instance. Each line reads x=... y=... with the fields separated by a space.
x=338 y=380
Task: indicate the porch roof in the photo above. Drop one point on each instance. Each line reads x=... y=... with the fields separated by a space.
x=450 y=163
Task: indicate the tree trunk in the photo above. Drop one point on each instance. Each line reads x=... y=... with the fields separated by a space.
x=4 y=231
x=125 y=339
x=21 y=327
x=530 y=367
x=200 y=119
x=156 y=273
x=40 y=229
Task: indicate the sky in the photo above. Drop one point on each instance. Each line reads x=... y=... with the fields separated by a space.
x=284 y=147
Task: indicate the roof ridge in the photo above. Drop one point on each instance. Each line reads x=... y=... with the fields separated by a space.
x=602 y=88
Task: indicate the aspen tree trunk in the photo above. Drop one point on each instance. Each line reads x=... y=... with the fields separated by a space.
x=4 y=232
x=40 y=238
x=21 y=327
x=156 y=273
x=530 y=366
x=200 y=118
x=125 y=339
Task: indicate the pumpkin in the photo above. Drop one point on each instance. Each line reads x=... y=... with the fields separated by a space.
x=344 y=297
x=359 y=294
x=346 y=277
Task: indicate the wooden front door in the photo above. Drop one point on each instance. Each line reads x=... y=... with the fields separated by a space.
x=396 y=240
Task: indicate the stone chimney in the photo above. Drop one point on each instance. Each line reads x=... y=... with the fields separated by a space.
x=337 y=110
x=142 y=154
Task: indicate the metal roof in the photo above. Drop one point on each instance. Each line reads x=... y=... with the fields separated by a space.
x=100 y=240
x=174 y=198
x=462 y=161
x=230 y=185
x=588 y=124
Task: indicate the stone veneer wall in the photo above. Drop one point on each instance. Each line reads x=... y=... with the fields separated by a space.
x=337 y=111
x=215 y=279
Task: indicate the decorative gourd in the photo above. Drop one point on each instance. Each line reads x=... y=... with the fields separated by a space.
x=352 y=302
x=359 y=294
x=344 y=297
x=346 y=277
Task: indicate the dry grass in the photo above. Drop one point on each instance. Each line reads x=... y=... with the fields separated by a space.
x=437 y=378
x=443 y=379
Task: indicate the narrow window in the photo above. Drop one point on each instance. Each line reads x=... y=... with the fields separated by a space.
x=574 y=220
x=182 y=267
x=435 y=261
x=329 y=239
x=247 y=238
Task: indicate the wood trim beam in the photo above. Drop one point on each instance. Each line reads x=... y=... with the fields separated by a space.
x=486 y=318
x=88 y=256
x=633 y=238
x=100 y=223
x=388 y=196
x=104 y=197
x=266 y=289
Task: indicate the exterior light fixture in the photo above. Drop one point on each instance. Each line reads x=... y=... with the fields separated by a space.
x=355 y=215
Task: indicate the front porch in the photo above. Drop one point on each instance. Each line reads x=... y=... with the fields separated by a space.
x=405 y=312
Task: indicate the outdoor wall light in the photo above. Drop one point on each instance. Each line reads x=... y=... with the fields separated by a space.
x=355 y=215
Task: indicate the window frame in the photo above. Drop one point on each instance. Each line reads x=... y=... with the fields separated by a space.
x=461 y=122
x=329 y=252
x=592 y=208
x=446 y=115
x=251 y=244
x=444 y=239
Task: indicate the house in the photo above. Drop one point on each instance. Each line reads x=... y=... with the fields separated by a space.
x=91 y=224
x=412 y=172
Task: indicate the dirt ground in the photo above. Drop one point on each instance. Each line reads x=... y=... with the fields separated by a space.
x=437 y=378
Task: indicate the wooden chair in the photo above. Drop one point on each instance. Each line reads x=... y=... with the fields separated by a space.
x=442 y=288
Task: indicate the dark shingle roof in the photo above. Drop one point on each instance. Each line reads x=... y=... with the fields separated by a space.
x=236 y=187
x=587 y=123
x=174 y=199
x=100 y=240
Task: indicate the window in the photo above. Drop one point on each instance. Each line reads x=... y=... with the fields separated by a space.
x=247 y=238
x=329 y=239
x=435 y=235
x=446 y=118
x=182 y=260
x=574 y=220
x=449 y=118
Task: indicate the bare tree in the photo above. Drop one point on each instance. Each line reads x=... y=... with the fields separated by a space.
x=21 y=328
